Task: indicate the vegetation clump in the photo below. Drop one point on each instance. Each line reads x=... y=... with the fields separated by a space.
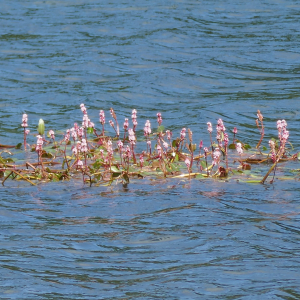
x=100 y=159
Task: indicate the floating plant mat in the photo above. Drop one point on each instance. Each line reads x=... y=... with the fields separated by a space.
x=98 y=159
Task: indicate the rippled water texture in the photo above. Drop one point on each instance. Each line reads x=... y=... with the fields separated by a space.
x=193 y=61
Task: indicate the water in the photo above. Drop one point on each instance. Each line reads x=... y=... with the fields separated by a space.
x=174 y=239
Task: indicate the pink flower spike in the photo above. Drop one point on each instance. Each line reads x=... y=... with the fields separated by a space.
x=24 y=121
x=182 y=133
x=159 y=118
x=201 y=144
x=126 y=124
x=27 y=131
x=102 y=117
x=209 y=127
x=147 y=128
x=234 y=130
x=51 y=133
x=239 y=148
x=80 y=164
x=216 y=156
x=187 y=162
x=83 y=109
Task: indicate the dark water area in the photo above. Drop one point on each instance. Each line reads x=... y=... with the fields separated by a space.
x=194 y=61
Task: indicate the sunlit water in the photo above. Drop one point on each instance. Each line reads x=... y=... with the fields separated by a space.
x=194 y=61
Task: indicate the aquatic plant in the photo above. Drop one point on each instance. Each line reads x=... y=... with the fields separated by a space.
x=104 y=159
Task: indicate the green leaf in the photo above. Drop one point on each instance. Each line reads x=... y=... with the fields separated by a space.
x=247 y=146
x=298 y=155
x=114 y=169
x=199 y=176
x=203 y=164
x=252 y=181
x=264 y=148
x=116 y=174
x=19 y=146
x=231 y=146
x=90 y=130
x=161 y=128
x=174 y=167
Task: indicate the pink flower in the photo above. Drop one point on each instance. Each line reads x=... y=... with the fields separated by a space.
x=83 y=109
x=79 y=164
x=226 y=140
x=74 y=150
x=27 y=131
x=187 y=162
x=220 y=126
x=182 y=133
x=80 y=132
x=24 y=121
x=239 y=148
x=209 y=127
x=169 y=134
x=73 y=133
x=126 y=124
x=216 y=156
x=51 y=133
x=120 y=145
x=85 y=121
x=159 y=118
x=273 y=152
x=127 y=153
x=234 y=130
x=84 y=147
x=165 y=145
x=102 y=117
x=200 y=144
x=205 y=149
x=39 y=143
x=147 y=128
x=131 y=136
x=285 y=135
x=67 y=136
x=159 y=152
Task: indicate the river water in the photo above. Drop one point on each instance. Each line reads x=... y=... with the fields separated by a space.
x=194 y=61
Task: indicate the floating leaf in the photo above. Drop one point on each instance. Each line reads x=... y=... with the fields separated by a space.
x=18 y=146
x=247 y=146
x=231 y=146
x=246 y=167
x=200 y=176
